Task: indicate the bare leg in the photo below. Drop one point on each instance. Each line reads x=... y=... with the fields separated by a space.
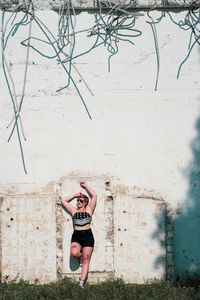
x=75 y=250
x=86 y=254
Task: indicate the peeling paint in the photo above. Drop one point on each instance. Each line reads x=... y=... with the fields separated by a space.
x=134 y=239
x=121 y=243
x=30 y=234
x=109 y=243
x=143 y=224
x=49 y=188
x=138 y=192
x=152 y=251
x=140 y=215
x=122 y=189
x=59 y=237
x=146 y=196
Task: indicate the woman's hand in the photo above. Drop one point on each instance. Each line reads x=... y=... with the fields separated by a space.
x=83 y=184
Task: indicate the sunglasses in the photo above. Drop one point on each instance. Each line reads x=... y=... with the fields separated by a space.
x=79 y=200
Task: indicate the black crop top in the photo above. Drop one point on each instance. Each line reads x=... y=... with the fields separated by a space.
x=81 y=218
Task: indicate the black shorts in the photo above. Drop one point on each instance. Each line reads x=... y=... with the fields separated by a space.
x=83 y=237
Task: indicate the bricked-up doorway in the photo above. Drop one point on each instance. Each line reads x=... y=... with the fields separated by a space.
x=140 y=238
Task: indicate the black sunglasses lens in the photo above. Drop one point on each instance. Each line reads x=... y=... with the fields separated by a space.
x=80 y=200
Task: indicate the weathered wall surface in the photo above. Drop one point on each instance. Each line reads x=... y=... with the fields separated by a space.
x=28 y=238
x=36 y=234
x=144 y=142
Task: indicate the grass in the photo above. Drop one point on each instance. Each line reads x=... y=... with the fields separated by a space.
x=68 y=289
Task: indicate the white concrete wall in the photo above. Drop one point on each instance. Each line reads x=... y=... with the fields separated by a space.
x=141 y=140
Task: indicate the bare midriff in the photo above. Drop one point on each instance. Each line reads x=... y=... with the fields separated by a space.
x=85 y=227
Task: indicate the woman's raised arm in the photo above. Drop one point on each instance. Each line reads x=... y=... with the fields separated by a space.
x=65 y=201
x=92 y=195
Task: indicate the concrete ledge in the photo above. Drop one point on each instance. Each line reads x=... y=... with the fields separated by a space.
x=90 y=4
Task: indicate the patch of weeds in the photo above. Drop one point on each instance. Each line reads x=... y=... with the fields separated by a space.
x=67 y=289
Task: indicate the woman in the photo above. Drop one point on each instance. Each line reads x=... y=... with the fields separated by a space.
x=82 y=241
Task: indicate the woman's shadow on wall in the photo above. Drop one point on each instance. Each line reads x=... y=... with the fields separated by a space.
x=182 y=226
x=73 y=262
x=187 y=219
